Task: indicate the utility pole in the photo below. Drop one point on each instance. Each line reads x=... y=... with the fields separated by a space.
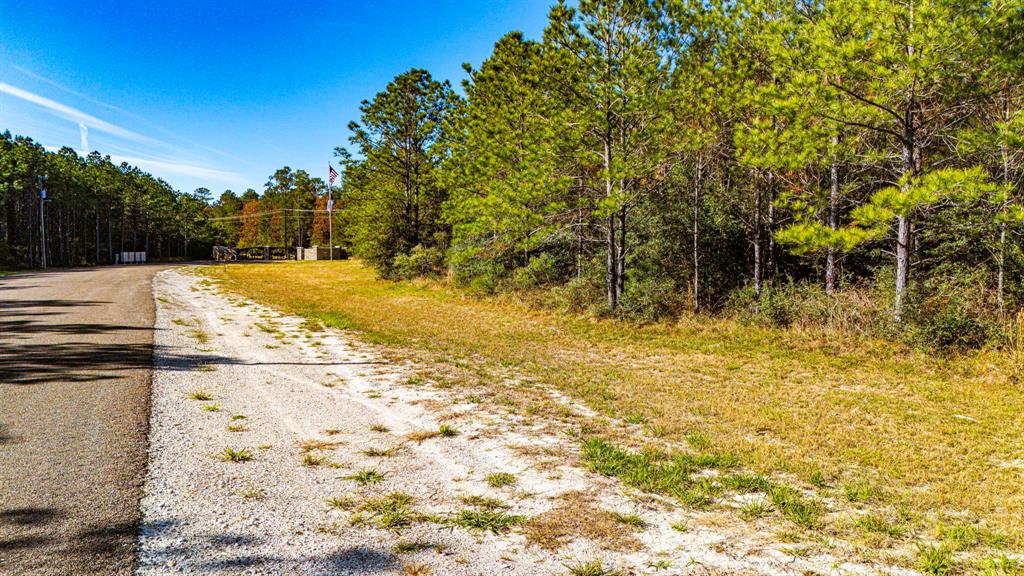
x=42 y=220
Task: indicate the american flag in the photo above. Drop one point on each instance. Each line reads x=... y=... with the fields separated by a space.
x=331 y=175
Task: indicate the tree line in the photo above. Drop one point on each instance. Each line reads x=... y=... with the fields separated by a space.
x=852 y=163
x=93 y=209
x=292 y=211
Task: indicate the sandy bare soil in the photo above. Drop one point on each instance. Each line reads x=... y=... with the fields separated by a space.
x=317 y=410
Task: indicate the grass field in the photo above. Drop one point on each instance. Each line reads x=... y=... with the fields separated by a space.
x=940 y=436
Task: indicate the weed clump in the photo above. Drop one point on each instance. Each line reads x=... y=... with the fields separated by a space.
x=366 y=477
x=236 y=454
x=500 y=479
x=200 y=394
x=493 y=521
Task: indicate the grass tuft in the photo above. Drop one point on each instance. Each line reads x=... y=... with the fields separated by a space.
x=484 y=502
x=935 y=560
x=631 y=520
x=236 y=454
x=877 y=524
x=754 y=509
x=313 y=460
x=500 y=479
x=200 y=394
x=862 y=492
x=392 y=512
x=410 y=547
x=422 y=435
x=341 y=502
x=366 y=477
x=799 y=509
x=493 y=521
x=381 y=452
x=592 y=568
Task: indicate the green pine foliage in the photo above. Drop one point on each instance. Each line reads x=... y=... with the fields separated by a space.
x=852 y=165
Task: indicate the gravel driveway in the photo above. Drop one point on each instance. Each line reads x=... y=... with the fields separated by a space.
x=279 y=447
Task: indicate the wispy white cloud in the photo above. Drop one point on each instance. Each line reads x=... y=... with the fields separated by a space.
x=64 y=88
x=73 y=114
x=163 y=166
x=126 y=113
x=83 y=135
x=175 y=167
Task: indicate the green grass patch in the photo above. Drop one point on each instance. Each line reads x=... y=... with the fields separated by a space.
x=493 y=521
x=236 y=455
x=392 y=512
x=200 y=394
x=671 y=475
x=500 y=479
x=935 y=560
x=631 y=520
x=366 y=477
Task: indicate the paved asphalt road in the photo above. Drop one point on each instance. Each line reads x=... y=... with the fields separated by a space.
x=75 y=368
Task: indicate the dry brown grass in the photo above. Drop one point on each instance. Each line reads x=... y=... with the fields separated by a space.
x=312 y=444
x=416 y=569
x=576 y=517
x=422 y=435
x=940 y=434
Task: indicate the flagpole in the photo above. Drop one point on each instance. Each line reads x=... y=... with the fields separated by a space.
x=330 y=216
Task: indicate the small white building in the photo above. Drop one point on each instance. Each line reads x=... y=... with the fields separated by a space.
x=319 y=253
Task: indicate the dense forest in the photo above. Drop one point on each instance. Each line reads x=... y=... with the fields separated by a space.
x=853 y=165
x=848 y=164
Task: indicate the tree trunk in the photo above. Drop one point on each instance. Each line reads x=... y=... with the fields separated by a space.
x=833 y=220
x=110 y=236
x=911 y=162
x=1001 y=278
x=769 y=267
x=611 y=280
x=696 y=212
x=620 y=274
x=902 y=263
x=758 y=253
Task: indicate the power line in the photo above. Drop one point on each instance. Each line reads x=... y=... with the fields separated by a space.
x=257 y=214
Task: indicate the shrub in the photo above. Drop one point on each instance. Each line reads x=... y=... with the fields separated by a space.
x=649 y=299
x=855 y=309
x=955 y=311
x=419 y=262
x=542 y=270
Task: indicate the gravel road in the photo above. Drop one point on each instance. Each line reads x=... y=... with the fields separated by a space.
x=339 y=475
x=75 y=369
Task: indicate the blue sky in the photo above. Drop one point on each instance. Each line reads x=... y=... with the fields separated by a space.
x=222 y=93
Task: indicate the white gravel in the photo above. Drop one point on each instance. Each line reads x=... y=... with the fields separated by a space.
x=203 y=515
